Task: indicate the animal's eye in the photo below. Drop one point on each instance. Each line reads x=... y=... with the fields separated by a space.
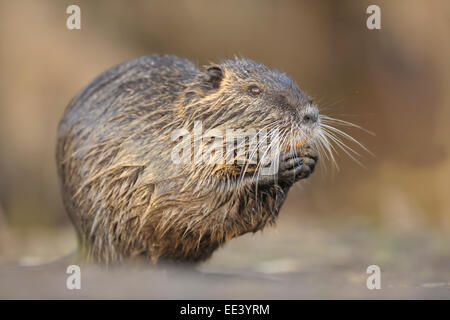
x=254 y=90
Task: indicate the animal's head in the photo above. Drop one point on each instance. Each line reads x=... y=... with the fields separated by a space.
x=245 y=95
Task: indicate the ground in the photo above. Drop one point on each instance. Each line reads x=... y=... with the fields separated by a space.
x=297 y=259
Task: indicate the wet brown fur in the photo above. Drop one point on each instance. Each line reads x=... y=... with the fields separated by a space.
x=124 y=195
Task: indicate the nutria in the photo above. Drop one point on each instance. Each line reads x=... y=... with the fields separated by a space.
x=124 y=193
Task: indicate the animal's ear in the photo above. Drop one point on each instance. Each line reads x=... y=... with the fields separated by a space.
x=213 y=77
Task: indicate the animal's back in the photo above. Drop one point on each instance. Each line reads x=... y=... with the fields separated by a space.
x=117 y=112
x=151 y=78
x=125 y=104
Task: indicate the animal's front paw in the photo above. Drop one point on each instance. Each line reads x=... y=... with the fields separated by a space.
x=297 y=164
x=293 y=165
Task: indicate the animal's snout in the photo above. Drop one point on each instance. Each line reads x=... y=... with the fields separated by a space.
x=310 y=118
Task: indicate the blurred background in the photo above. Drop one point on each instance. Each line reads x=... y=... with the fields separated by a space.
x=393 y=211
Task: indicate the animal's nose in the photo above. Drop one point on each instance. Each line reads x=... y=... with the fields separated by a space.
x=310 y=118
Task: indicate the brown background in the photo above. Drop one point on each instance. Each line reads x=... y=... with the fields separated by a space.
x=392 y=81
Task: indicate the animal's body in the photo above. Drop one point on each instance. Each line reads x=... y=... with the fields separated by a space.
x=121 y=188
